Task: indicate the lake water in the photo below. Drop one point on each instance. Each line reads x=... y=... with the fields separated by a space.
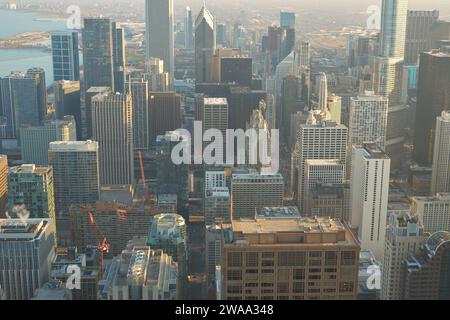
x=15 y=22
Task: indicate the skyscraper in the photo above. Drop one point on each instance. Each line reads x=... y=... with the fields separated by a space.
x=21 y=274
x=67 y=102
x=215 y=114
x=3 y=184
x=433 y=211
x=75 y=173
x=112 y=122
x=368 y=120
x=418 y=29
x=159 y=32
x=287 y=20
x=404 y=236
x=90 y=93
x=66 y=61
x=322 y=91
x=217 y=205
x=393 y=28
x=440 y=179
x=433 y=97
x=138 y=89
x=31 y=190
x=189 y=29
x=35 y=140
x=164 y=113
x=119 y=57
x=158 y=79
x=98 y=53
x=369 y=196
x=205 y=45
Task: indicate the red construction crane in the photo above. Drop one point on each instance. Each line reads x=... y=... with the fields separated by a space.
x=102 y=245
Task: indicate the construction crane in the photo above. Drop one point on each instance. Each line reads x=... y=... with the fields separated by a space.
x=102 y=245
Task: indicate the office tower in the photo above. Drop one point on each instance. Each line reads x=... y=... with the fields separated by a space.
x=418 y=28
x=75 y=173
x=321 y=171
x=35 y=140
x=66 y=60
x=98 y=53
x=330 y=200
x=305 y=54
x=158 y=79
x=334 y=107
x=236 y=70
x=404 y=236
x=138 y=89
x=188 y=29
x=433 y=92
x=140 y=273
x=322 y=91
x=3 y=184
x=252 y=191
x=241 y=75
x=287 y=20
x=159 y=32
x=213 y=252
x=24 y=100
x=119 y=57
x=440 y=179
x=393 y=28
x=31 y=192
x=324 y=140
x=168 y=233
x=215 y=114
x=440 y=31
x=368 y=119
x=369 y=196
x=112 y=126
x=287 y=246
x=215 y=179
x=428 y=272
x=27 y=252
x=433 y=212
x=205 y=45
x=217 y=205
x=67 y=102
x=222 y=36
x=90 y=93
x=290 y=102
x=164 y=113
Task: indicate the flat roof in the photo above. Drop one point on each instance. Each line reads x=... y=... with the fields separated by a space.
x=215 y=101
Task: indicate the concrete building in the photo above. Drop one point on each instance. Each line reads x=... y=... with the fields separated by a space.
x=32 y=241
x=253 y=190
x=68 y=102
x=66 y=60
x=433 y=212
x=217 y=205
x=334 y=106
x=330 y=200
x=369 y=196
x=159 y=23
x=35 y=141
x=89 y=94
x=140 y=273
x=158 y=79
x=440 y=177
x=205 y=45
x=215 y=114
x=276 y=252
x=404 y=236
x=112 y=124
x=31 y=192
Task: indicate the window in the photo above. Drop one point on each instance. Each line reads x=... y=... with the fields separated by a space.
x=291 y=259
x=283 y=287
x=283 y=275
x=252 y=259
x=299 y=274
x=298 y=287
x=331 y=258
x=348 y=258
x=346 y=286
x=234 y=275
x=234 y=259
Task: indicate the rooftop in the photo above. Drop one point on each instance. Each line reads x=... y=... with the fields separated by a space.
x=74 y=146
x=18 y=230
x=216 y=101
x=29 y=168
x=277 y=212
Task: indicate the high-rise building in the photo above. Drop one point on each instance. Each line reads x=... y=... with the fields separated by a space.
x=434 y=212
x=68 y=103
x=22 y=274
x=427 y=274
x=440 y=178
x=252 y=191
x=368 y=120
x=24 y=100
x=31 y=192
x=164 y=113
x=158 y=79
x=287 y=19
x=433 y=97
x=305 y=54
x=75 y=173
x=321 y=171
x=215 y=114
x=290 y=102
x=119 y=57
x=112 y=127
x=168 y=233
x=330 y=200
x=404 y=236
x=205 y=45
x=98 y=53
x=217 y=205
x=3 y=184
x=236 y=70
x=66 y=60
x=393 y=28
x=35 y=140
x=334 y=107
x=159 y=20
x=369 y=196
x=138 y=89
x=90 y=93
x=322 y=91
x=140 y=273
x=188 y=29
x=324 y=140
x=418 y=29
x=289 y=258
